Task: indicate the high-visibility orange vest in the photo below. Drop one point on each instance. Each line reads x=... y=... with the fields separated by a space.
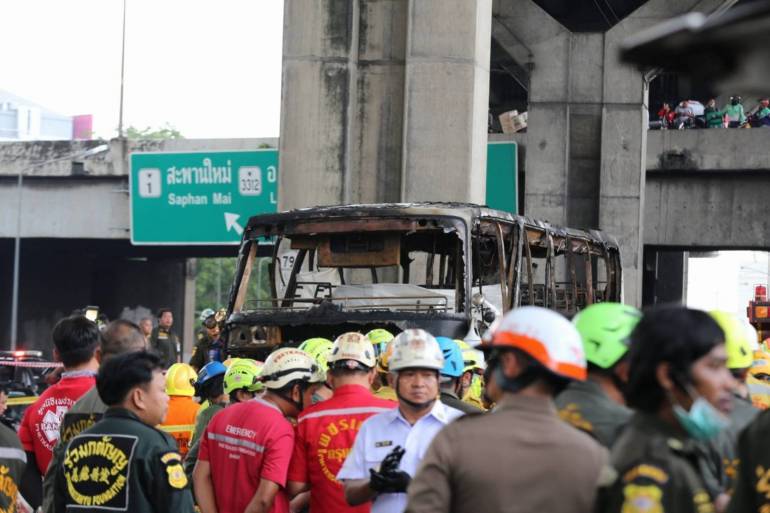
x=180 y=420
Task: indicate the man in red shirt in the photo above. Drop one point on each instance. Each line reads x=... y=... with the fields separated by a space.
x=326 y=431
x=246 y=449
x=75 y=340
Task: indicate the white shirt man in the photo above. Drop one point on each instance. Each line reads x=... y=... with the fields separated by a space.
x=415 y=365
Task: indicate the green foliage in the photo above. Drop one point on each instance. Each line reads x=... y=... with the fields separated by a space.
x=148 y=133
x=215 y=277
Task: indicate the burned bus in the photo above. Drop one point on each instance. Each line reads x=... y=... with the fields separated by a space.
x=448 y=268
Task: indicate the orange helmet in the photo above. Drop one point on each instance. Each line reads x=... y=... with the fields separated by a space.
x=544 y=335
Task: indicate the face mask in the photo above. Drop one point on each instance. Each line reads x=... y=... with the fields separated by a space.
x=315 y=398
x=703 y=421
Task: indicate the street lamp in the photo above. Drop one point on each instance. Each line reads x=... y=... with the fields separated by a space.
x=17 y=240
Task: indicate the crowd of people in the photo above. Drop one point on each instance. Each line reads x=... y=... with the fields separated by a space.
x=616 y=410
x=693 y=114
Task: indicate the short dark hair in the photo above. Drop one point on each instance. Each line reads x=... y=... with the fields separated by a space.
x=163 y=310
x=672 y=334
x=212 y=388
x=122 y=373
x=75 y=339
x=121 y=336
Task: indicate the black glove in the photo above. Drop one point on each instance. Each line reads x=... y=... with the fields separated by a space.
x=393 y=482
x=392 y=460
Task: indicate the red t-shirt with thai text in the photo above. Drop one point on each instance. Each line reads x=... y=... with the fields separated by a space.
x=325 y=434
x=244 y=443
x=39 y=429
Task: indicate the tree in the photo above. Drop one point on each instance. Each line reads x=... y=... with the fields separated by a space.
x=165 y=132
x=215 y=277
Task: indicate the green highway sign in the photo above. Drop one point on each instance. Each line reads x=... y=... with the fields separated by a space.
x=201 y=197
x=502 y=176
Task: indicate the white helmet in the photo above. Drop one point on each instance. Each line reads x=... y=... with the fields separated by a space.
x=415 y=349
x=352 y=346
x=546 y=336
x=286 y=365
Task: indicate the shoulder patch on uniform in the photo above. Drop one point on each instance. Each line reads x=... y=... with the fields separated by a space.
x=176 y=476
x=651 y=472
x=571 y=414
x=170 y=456
x=642 y=499
x=96 y=470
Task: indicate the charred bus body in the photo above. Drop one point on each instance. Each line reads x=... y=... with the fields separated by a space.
x=448 y=268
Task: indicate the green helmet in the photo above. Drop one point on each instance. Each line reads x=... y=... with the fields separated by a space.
x=605 y=329
x=318 y=349
x=737 y=342
x=243 y=373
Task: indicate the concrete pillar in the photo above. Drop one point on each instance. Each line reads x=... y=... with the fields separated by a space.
x=565 y=94
x=363 y=122
x=624 y=138
x=342 y=102
x=446 y=100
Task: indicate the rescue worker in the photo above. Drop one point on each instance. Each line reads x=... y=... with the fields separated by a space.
x=240 y=383
x=326 y=431
x=246 y=449
x=182 y=409
x=205 y=337
x=451 y=375
x=596 y=405
x=122 y=463
x=390 y=445
x=681 y=391
x=75 y=340
x=210 y=389
x=520 y=456
x=472 y=380
x=319 y=350
x=382 y=385
x=164 y=341
x=379 y=338
x=12 y=463
x=739 y=360
x=119 y=337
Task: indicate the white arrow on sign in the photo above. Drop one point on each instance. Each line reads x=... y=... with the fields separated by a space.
x=231 y=222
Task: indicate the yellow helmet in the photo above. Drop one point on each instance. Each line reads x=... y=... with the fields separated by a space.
x=383 y=361
x=737 y=344
x=180 y=379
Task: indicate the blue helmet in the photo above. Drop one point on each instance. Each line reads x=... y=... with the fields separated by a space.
x=453 y=357
x=210 y=370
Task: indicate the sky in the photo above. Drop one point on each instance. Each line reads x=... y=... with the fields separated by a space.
x=210 y=69
x=726 y=281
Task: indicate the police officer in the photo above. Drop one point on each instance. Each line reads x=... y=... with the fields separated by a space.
x=164 y=341
x=451 y=375
x=205 y=338
x=751 y=492
x=520 y=456
x=122 y=463
x=596 y=405
x=681 y=390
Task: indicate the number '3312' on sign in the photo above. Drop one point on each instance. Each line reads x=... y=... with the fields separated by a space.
x=250 y=180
